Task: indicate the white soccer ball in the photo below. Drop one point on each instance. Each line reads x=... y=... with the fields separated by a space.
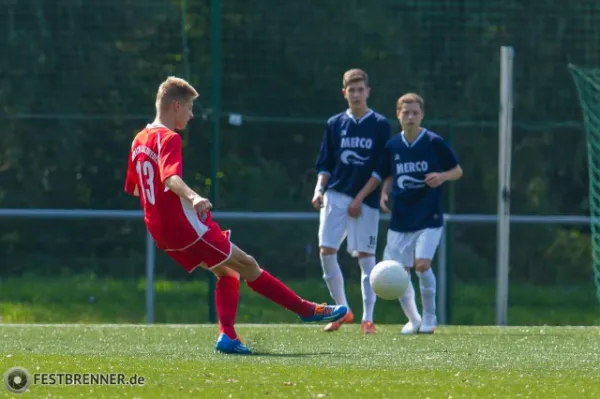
x=389 y=279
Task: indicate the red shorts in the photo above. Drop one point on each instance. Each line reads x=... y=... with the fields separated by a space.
x=208 y=251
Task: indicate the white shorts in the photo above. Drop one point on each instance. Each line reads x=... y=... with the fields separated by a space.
x=406 y=247
x=335 y=224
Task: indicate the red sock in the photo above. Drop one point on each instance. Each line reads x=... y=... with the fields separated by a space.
x=273 y=289
x=227 y=297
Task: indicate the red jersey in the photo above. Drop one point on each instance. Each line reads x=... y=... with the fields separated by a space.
x=156 y=155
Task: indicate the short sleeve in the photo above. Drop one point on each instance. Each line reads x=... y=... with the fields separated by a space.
x=382 y=154
x=170 y=161
x=131 y=177
x=446 y=156
x=325 y=160
x=383 y=170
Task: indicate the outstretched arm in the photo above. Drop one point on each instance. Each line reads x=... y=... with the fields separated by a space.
x=179 y=187
x=170 y=167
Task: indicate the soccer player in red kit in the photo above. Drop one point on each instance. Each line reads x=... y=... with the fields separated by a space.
x=180 y=221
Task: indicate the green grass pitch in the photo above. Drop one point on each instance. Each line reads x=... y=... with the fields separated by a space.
x=301 y=361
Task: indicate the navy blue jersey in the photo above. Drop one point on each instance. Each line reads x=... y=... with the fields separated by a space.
x=416 y=205
x=351 y=151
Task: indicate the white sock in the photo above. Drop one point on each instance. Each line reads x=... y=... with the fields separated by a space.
x=332 y=274
x=427 y=284
x=408 y=303
x=366 y=265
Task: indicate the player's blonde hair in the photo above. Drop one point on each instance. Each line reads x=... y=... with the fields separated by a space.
x=355 y=75
x=174 y=89
x=410 y=98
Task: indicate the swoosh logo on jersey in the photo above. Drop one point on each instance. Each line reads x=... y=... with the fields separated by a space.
x=350 y=157
x=407 y=183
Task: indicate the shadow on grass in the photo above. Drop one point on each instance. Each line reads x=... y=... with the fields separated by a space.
x=268 y=354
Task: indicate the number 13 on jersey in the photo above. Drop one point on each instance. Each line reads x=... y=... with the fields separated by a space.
x=145 y=173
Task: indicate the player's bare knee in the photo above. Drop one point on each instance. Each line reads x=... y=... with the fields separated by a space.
x=247 y=267
x=327 y=251
x=250 y=273
x=251 y=261
x=240 y=258
x=224 y=271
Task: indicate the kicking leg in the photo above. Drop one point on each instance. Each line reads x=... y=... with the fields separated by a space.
x=265 y=284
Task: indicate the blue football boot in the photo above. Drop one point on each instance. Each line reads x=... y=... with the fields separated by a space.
x=231 y=346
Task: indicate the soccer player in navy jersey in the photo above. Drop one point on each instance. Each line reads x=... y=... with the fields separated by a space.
x=347 y=193
x=417 y=163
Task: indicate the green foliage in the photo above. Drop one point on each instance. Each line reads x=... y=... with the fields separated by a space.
x=80 y=78
x=90 y=299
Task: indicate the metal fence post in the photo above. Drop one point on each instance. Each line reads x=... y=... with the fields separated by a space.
x=150 y=261
x=442 y=278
